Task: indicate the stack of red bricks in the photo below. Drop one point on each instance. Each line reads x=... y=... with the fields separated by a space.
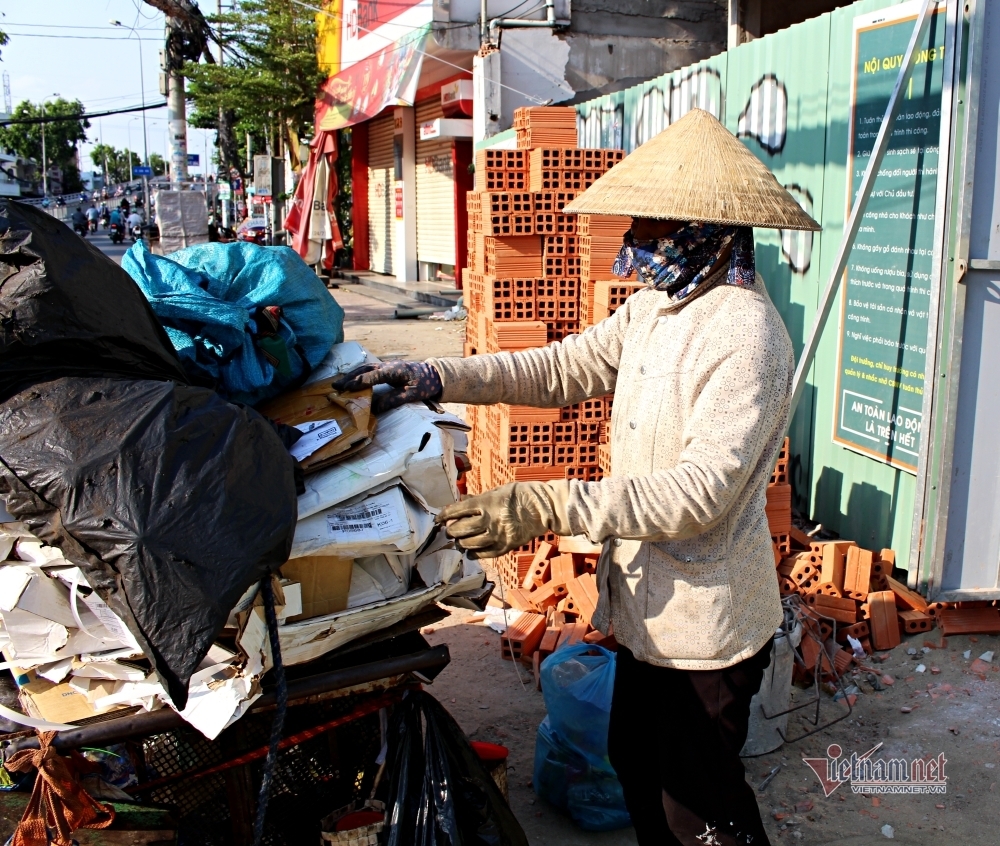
x=527 y=282
x=557 y=597
x=850 y=591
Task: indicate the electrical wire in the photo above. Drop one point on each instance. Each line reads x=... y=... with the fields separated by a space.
x=75 y=37
x=531 y=97
x=81 y=115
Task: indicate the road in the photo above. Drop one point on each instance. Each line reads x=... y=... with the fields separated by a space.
x=101 y=240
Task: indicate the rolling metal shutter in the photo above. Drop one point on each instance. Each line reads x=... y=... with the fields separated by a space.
x=381 y=182
x=435 y=191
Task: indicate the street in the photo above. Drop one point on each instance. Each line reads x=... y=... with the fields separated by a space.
x=101 y=240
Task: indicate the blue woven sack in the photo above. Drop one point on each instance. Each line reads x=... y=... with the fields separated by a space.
x=247 y=320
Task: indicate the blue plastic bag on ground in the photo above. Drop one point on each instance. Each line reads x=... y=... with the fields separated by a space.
x=246 y=320
x=572 y=770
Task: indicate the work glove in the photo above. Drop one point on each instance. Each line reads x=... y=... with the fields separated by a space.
x=411 y=381
x=500 y=520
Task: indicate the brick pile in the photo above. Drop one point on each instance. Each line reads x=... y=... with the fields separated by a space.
x=847 y=591
x=535 y=277
x=557 y=597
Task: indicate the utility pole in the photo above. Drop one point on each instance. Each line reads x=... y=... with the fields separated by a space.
x=224 y=203
x=176 y=107
x=45 y=169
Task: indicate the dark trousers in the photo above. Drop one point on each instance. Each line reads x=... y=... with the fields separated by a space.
x=674 y=741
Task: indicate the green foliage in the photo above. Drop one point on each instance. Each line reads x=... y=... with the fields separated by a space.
x=61 y=136
x=119 y=163
x=270 y=76
x=157 y=163
x=71 y=181
x=4 y=39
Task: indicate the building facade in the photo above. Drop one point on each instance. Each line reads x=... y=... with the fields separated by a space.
x=404 y=76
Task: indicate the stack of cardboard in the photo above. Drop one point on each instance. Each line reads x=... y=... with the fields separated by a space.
x=365 y=555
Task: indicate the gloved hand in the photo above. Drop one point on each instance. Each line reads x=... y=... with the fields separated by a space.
x=500 y=520
x=413 y=381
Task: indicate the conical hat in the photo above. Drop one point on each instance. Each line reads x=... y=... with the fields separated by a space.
x=694 y=170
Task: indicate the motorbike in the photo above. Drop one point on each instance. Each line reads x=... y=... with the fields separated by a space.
x=93 y=225
x=116 y=233
x=136 y=233
x=81 y=229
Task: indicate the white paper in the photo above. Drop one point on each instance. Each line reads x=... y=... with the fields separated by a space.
x=376 y=519
x=364 y=589
x=37 y=553
x=412 y=444
x=33 y=639
x=112 y=670
x=56 y=672
x=342 y=358
x=316 y=434
x=390 y=575
x=386 y=522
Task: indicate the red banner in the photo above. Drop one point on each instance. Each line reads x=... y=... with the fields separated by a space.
x=387 y=78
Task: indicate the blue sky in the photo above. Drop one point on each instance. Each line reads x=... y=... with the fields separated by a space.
x=70 y=48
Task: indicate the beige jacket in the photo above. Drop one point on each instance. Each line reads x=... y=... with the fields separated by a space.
x=702 y=391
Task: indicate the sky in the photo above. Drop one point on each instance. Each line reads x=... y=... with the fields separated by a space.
x=70 y=48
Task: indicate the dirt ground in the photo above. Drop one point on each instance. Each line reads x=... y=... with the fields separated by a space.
x=951 y=707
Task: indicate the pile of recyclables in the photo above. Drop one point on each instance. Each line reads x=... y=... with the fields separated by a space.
x=147 y=498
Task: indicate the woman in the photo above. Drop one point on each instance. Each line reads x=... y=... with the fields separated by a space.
x=701 y=366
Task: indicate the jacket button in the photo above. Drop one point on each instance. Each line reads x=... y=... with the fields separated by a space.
x=688 y=559
x=631 y=424
x=643 y=369
x=661 y=319
x=618 y=541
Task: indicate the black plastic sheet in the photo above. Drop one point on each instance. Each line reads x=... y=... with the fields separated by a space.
x=66 y=308
x=171 y=500
x=440 y=794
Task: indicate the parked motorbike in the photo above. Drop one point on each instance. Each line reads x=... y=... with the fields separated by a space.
x=116 y=233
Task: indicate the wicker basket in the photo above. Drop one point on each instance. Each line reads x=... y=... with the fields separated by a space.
x=499 y=773
x=366 y=835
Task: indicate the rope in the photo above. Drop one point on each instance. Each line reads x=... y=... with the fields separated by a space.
x=278 y=726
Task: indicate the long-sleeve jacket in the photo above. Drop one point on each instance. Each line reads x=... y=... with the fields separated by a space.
x=702 y=390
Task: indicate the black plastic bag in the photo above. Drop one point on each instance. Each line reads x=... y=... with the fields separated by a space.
x=172 y=500
x=67 y=309
x=440 y=794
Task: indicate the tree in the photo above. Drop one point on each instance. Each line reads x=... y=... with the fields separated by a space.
x=157 y=163
x=65 y=127
x=268 y=84
x=116 y=165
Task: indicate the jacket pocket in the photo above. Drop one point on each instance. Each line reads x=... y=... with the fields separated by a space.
x=691 y=553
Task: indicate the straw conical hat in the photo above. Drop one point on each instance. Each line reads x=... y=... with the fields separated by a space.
x=694 y=170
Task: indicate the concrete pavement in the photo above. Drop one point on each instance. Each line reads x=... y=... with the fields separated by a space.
x=101 y=240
